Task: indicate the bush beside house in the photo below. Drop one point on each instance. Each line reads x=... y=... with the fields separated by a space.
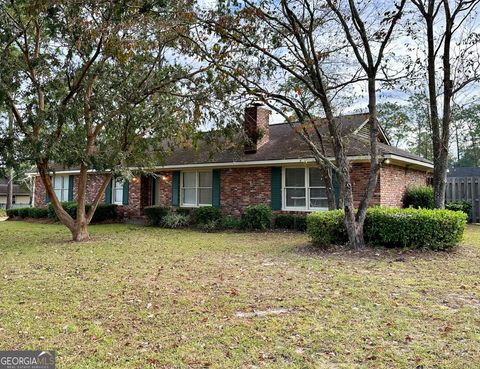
x=419 y=197
x=392 y=227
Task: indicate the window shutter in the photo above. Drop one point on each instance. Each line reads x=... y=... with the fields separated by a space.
x=47 y=199
x=125 y=192
x=276 y=183
x=176 y=188
x=108 y=193
x=336 y=188
x=70 y=187
x=216 y=188
x=154 y=189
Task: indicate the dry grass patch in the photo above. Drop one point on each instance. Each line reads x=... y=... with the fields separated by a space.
x=137 y=297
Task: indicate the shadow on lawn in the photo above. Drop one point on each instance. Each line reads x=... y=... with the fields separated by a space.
x=374 y=253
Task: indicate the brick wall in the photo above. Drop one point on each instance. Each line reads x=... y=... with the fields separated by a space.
x=359 y=176
x=241 y=187
x=134 y=207
x=394 y=180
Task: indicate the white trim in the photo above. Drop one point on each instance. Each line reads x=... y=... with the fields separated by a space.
x=253 y=163
x=307 y=208
x=409 y=161
x=382 y=131
x=197 y=188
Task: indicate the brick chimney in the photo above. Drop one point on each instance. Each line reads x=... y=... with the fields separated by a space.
x=256 y=127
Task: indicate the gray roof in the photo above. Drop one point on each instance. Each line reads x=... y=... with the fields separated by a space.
x=464 y=172
x=283 y=144
x=17 y=189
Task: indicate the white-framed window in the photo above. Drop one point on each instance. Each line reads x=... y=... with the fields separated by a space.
x=14 y=199
x=117 y=191
x=304 y=189
x=196 y=188
x=60 y=186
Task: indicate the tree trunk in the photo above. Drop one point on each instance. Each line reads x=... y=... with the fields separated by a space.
x=80 y=232
x=9 y=189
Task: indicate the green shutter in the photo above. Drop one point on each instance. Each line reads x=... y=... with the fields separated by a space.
x=125 y=192
x=276 y=183
x=70 y=187
x=336 y=188
x=176 y=188
x=154 y=189
x=216 y=188
x=108 y=193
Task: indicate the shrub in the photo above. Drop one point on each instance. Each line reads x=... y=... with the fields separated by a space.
x=211 y=226
x=102 y=213
x=257 y=217
x=205 y=215
x=12 y=213
x=327 y=227
x=419 y=197
x=174 y=220
x=155 y=214
x=231 y=223
x=414 y=228
x=184 y=211
x=284 y=221
x=3 y=213
x=300 y=223
x=23 y=212
x=464 y=206
x=38 y=213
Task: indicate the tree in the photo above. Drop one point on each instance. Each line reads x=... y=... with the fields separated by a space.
x=452 y=64
x=282 y=54
x=93 y=84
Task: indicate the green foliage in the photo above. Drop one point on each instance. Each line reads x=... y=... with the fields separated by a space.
x=290 y=221
x=12 y=213
x=464 y=206
x=205 y=215
x=432 y=229
x=414 y=228
x=174 y=220
x=184 y=211
x=24 y=212
x=211 y=225
x=284 y=221
x=419 y=197
x=103 y=212
x=155 y=214
x=327 y=227
x=38 y=213
x=231 y=223
x=3 y=213
x=257 y=217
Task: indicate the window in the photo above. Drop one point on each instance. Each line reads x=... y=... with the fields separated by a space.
x=196 y=189
x=304 y=189
x=117 y=192
x=60 y=186
x=14 y=199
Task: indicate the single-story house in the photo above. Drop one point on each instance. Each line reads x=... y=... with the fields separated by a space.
x=21 y=194
x=278 y=169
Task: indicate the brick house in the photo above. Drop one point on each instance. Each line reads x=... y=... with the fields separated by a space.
x=275 y=168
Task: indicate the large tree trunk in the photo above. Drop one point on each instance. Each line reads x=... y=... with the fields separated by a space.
x=9 y=189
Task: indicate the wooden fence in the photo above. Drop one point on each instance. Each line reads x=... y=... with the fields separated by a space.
x=465 y=189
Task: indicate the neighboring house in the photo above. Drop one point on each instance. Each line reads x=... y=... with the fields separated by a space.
x=278 y=170
x=21 y=195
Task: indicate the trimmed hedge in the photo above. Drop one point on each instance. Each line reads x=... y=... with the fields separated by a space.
x=155 y=214
x=24 y=212
x=413 y=228
x=12 y=213
x=257 y=217
x=419 y=197
x=103 y=212
x=327 y=227
x=290 y=221
x=38 y=213
x=206 y=215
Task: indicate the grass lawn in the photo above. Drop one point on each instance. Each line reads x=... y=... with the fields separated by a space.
x=137 y=297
